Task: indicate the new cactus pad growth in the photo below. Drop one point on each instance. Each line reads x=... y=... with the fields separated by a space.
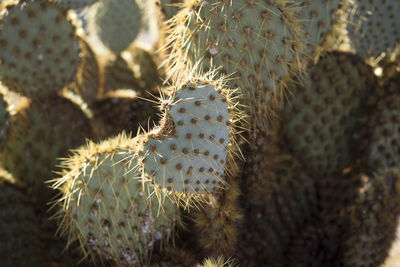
x=323 y=114
x=258 y=44
x=39 y=49
x=188 y=151
x=109 y=207
x=4 y=121
x=116 y=22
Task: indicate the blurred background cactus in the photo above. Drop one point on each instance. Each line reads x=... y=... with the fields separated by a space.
x=199 y=133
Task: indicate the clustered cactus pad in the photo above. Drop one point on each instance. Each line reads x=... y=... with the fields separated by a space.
x=374 y=26
x=278 y=143
x=40 y=135
x=109 y=207
x=319 y=18
x=188 y=152
x=20 y=244
x=258 y=43
x=322 y=118
x=39 y=48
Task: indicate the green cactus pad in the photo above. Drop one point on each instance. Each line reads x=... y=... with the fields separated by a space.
x=374 y=26
x=42 y=134
x=374 y=220
x=384 y=140
x=109 y=207
x=39 y=50
x=4 y=122
x=258 y=43
x=188 y=152
x=73 y=4
x=115 y=22
x=19 y=232
x=319 y=17
x=322 y=116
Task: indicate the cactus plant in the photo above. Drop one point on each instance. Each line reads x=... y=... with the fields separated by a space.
x=258 y=46
x=108 y=18
x=73 y=4
x=43 y=133
x=40 y=52
x=108 y=206
x=19 y=229
x=322 y=118
x=4 y=121
x=373 y=26
x=374 y=220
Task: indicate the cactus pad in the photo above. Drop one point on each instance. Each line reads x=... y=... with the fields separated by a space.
x=373 y=220
x=374 y=26
x=322 y=117
x=42 y=134
x=19 y=229
x=256 y=42
x=319 y=17
x=39 y=50
x=384 y=146
x=4 y=122
x=109 y=208
x=115 y=22
x=73 y=4
x=188 y=152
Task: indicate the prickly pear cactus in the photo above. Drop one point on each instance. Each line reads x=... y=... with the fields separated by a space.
x=115 y=22
x=374 y=220
x=188 y=152
x=19 y=229
x=383 y=140
x=374 y=26
x=109 y=207
x=322 y=116
x=258 y=44
x=73 y=4
x=169 y=7
x=319 y=17
x=41 y=135
x=4 y=122
x=39 y=48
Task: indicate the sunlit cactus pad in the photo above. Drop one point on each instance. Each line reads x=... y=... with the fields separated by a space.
x=188 y=151
x=258 y=43
x=39 y=49
x=109 y=208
